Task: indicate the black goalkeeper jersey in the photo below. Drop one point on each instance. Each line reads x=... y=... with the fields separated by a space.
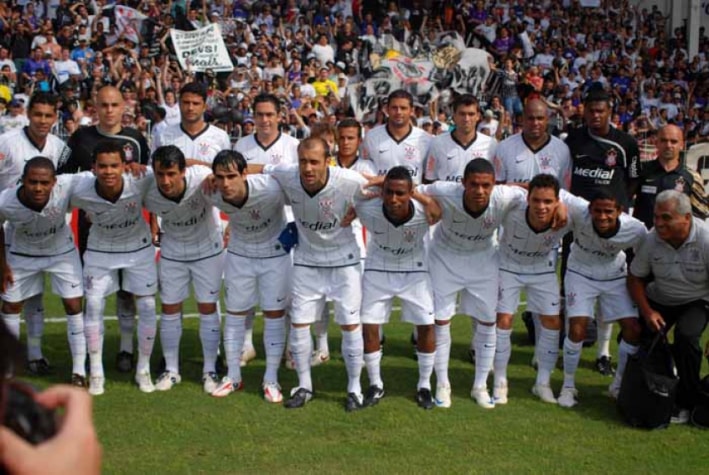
x=84 y=141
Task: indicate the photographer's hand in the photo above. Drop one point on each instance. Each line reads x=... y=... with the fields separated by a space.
x=74 y=450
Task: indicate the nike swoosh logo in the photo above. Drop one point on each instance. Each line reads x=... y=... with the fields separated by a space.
x=213 y=292
x=656 y=259
x=554 y=304
x=519 y=161
x=520 y=237
x=293 y=202
x=378 y=232
x=382 y=151
x=150 y=284
x=450 y=158
x=280 y=299
x=73 y=286
x=353 y=312
x=458 y=222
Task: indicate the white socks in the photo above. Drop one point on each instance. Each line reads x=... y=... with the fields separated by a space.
x=485 y=341
x=77 y=342
x=93 y=331
x=425 y=361
x=12 y=322
x=234 y=330
x=503 y=351
x=373 y=363
x=125 y=308
x=320 y=330
x=443 y=352
x=170 y=334
x=572 y=356
x=147 y=328
x=301 y=346
x=605 y=333
x=34 y=318
x=352 y=352
x=274 y=341
x=209 y=335
x=249 y=326
x=547 y=352
x=625 y=350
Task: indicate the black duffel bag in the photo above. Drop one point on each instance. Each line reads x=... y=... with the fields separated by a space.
x=647 y=391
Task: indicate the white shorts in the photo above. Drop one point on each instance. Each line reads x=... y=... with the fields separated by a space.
x=474 y=275
x=28 y=272
x=412 y=288
x=542 y=293
x=205 y=275
x=250 y=281
x=139 y=274
x=313 y=285
x=612 y=296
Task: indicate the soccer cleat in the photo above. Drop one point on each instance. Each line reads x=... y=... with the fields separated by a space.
x=482 y=397
x=124 y=362
x=78 y=380
x=374 y=394
x=354 y=402
x=544 y=392
x=96 y=384
x=210 y=381
x=499 y=394
x=424 y=399
x=471 y=355
x=167 y=380
x=226 y=387
x=144 y=382
x=272 y=393
x=604 y=366
x=443 y=396
x=40 y=367
x=319 y=358
x=567 y=397
x=247 y=354
x=299 y=397
x=679 y=416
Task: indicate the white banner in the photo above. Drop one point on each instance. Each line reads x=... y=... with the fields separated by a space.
x=201 y=49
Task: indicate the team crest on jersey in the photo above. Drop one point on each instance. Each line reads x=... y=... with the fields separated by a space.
x=410 y=152
x=488 y=222
x=680 y=184
x=131 y=206
x=128 y=150
x=409 y=235
x=203 y=148
x=694 y=255
x=326 y=207
x=571 y=299
x=611 y=157
x=88 y=282
x=255 y=214
x=549 y=240
x=544 y=161
x=276 y=158
x=52 y=212
x=195 y=203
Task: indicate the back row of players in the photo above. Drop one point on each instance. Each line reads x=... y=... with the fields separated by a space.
x=269 y=170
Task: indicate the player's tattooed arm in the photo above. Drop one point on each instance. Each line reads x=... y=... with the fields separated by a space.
x=7 y=277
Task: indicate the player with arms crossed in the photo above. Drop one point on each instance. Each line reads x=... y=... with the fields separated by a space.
x=258 y=268
x=396 y=267
x=596 y=272
x=16 y=148
x=42 y=243
x=119 y=240
x=191 y=251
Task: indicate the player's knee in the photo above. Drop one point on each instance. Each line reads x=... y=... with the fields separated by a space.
x=274 y=313
x=145 y=307
x=171 y=308
x=631 y=330
x=72 y=306
x=577 y=329
x=206 y=308
x=551 y=322
x=11 y=307
x=504 y=321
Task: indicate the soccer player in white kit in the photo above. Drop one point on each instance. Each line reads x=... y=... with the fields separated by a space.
x=465 y=240
x=596 y=272
x=266 y=146
x=258 y=268
x=398 y=142
x=326 y=261
x=119 y=240
x=42 y=243
x=191 y=252
x=396 y=267
x=528 y=262
x=16 y=148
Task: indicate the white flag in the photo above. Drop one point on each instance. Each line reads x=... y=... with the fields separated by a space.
x=128 y=22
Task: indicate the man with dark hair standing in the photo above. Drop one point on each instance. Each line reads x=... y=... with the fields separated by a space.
x=135 y=148
x=602 y=157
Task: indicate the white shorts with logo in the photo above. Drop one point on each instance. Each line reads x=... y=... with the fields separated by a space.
x=28 y=273
x=412 y=288
x=474 y=275
x=250 y=281
x=542 y=292
x=612 y=296
x=205 y=275
x=313 y=285
x=138 y=271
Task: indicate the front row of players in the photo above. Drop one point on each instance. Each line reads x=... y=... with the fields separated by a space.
x=325 y=265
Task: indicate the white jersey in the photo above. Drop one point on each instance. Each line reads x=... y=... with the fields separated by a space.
x=203 y=146
x=16 y=148
x=525 y=251
x=601 y=258
x=283 y=151
x=387 y=152
x=39 y=233
x=190 y=232
x=322 y=241
x=394 y=247
x=115 y=227
x=256 y=225
x=448 y=157
x=516 y=162
x=462 y=232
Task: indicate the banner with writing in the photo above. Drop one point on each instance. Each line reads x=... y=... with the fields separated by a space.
x=201 y=49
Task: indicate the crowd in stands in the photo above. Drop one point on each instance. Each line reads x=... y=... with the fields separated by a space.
x=308 y=51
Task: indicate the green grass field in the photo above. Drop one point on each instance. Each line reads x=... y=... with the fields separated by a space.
x=186 y=431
